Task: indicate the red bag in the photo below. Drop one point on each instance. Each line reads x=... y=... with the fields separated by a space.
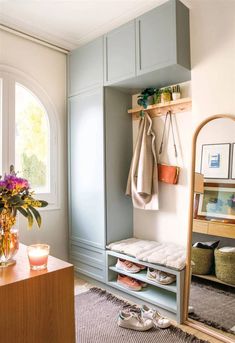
x=166 y=173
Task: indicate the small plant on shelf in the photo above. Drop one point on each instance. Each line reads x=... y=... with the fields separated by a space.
x=176 y=92
x=143 y=98
x=165 y=94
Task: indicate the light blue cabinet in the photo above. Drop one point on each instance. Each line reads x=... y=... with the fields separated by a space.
x=87 y=198
x=120 y=61
x=86 y=67
x=100 y=151
x=118 y=153
x=151 y=51
x=163 y=37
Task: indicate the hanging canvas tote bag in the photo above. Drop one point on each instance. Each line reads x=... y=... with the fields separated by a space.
x=168 y=173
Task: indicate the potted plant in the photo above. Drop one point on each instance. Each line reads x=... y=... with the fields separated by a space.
x=15 y=197
x=157 y=96
x=165 y=94
x=146 y=98
x=176 y=92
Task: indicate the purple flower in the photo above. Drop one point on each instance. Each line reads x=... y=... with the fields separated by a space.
x=2 y=184
x=15 y=183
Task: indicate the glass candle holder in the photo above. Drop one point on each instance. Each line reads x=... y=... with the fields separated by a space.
x=38 y=256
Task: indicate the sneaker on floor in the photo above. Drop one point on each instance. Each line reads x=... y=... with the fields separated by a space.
x=160 y=277
x=158 y=320
x=190 y=309
x=134 y=321
x=129 y=283
x=127 y=266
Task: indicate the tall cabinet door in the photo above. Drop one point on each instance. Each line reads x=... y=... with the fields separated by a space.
x=87 y=190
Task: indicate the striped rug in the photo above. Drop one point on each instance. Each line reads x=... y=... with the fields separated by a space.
x=96 y=322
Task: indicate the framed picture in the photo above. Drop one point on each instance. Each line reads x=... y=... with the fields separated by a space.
x=217 y=202
x=233 y=162
x=215 y=161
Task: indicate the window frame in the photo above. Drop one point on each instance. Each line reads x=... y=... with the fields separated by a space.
x=10 y=77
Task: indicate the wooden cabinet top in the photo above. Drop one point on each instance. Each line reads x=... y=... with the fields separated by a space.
x=214 y=228
x=21 y=270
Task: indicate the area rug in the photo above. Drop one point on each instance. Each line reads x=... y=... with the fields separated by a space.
x=96 y=322
x=214 y=304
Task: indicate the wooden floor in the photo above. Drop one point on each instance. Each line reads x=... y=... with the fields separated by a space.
x=82 y=286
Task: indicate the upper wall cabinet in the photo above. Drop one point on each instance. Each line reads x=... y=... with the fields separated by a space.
x=163 y=37
x=120 y=62
x=86 y=67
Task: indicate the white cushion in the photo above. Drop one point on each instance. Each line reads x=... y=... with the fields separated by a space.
x=167 y=254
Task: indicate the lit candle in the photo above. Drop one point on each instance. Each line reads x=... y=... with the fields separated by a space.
x=38 y=256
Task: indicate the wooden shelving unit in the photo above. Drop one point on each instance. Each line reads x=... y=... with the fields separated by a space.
x=166 y=297
x=158 y=110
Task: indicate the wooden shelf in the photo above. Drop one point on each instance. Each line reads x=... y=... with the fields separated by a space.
x=158 y=110
x=213 y=278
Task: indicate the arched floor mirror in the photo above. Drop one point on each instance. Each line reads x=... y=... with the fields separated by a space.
x=210 y=276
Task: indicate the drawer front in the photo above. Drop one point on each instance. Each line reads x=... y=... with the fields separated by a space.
x=221 y=229
x=200 y=226
x=96 y=272
x=88 y=260
x=87 y=254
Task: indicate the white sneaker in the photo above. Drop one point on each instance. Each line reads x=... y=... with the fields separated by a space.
x=160 y=277
x=134 y=321
x=156 y=317
x=127 y=266
x=190 y=309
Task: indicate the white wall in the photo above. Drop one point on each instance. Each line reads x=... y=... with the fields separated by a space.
x=168 y=224
x=213 y=89
x=47 y=67
x=213 y=56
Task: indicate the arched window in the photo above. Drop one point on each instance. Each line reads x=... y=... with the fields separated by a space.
x=32 y=140
x=28 y=133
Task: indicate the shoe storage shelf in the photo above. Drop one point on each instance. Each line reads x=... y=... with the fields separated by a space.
x=165 y=297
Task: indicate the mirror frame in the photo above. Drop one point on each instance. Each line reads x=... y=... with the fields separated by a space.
x=197 y=325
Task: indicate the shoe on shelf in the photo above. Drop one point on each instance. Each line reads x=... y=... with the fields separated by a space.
x=141 y=266
x=143 y=284
x=129 y=283
x=160 y=277
x=134 y=321
x=127 y=266
x=158 y=320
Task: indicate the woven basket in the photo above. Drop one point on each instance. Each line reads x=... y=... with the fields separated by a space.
x=225 y=266
x=203 y=261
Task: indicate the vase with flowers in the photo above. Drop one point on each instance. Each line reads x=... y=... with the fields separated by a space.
x=15 y=197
